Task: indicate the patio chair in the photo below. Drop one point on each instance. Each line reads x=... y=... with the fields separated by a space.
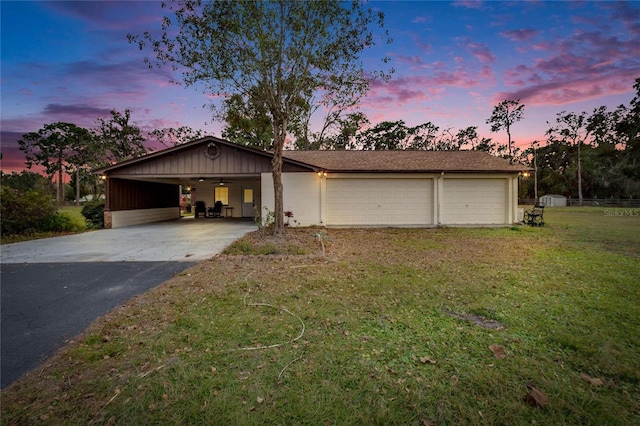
x=201 y=207
x=535 y=216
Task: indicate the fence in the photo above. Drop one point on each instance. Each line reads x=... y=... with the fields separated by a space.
x=604 y=202
x=592 y=202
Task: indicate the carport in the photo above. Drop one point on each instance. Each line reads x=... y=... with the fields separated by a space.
x=148 y=188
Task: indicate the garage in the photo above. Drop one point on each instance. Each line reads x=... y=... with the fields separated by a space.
x=407 y=202
x=474 y=201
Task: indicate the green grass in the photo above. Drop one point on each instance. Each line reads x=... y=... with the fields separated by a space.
x=379 y=345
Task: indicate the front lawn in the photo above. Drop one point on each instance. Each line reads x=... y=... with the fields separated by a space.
x=482 y=326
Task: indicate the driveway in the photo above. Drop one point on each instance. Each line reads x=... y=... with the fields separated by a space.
x=52 y=289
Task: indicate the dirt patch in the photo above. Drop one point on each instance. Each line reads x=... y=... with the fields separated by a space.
x=477 y=320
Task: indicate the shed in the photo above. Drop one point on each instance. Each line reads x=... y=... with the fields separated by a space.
x=553 y=200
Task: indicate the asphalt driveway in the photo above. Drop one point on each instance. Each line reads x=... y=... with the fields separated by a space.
x=52 y=289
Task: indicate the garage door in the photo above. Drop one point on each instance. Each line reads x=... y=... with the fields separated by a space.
x=474 y=201
x=379 y=202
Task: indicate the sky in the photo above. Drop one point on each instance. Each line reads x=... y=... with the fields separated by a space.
x=70 y=61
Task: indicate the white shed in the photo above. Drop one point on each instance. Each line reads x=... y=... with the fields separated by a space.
x=553 y=200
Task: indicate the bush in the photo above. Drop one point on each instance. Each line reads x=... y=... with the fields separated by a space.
x=61 y=222
x=94 y=213
x=25 y=212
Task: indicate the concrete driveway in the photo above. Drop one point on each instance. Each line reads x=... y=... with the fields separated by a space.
x=181 y=240
x=52 y=289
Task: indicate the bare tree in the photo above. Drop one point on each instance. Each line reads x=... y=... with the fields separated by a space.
x=504 y=115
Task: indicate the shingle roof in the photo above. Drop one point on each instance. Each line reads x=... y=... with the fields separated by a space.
x=404 y=161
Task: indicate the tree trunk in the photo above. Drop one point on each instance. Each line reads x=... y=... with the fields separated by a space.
x=509 y=142
x=77 y=186
x=279 y=133
x=535 y=175
x=60 y=193
x=579 y=176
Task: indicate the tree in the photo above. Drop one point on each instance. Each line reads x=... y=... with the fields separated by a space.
x=337 y=135
x=119 y=139
x=58 y=147
x=572 y=130
x=276 y=54
x=27 y=181
x=248 y=123
x=386 y=135
x=628 y=133
x=504 y=115
x=174 y=136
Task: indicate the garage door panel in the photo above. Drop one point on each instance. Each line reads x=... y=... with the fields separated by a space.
x=379 y=201
x=474 y=201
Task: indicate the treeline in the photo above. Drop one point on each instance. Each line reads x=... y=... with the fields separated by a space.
x=65 y=148
x=590 y=155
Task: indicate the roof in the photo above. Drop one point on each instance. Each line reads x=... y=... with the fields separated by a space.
x=359 y=161
x=405 y=161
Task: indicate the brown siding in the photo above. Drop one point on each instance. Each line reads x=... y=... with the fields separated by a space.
x=194 y=162
x=125 y=194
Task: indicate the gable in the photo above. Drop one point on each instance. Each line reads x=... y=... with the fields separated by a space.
x=204 y=157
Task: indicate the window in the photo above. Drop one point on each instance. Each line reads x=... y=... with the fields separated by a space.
x=222 y=194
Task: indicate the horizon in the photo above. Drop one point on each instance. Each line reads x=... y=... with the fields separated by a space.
x=454 y=61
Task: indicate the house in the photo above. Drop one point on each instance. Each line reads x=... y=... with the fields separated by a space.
x=326 y=188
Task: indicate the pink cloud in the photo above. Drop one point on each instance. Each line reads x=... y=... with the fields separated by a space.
x=420 y=88
x=520 y=35
x=564 y=91
x=479 y=50
x=586 y=65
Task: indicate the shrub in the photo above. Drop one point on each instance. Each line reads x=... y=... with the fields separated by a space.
x=94 y=213
x=61 y=222
x=25 y=212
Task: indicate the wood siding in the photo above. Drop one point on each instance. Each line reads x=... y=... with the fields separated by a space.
x=193 y=162
x=125 y=194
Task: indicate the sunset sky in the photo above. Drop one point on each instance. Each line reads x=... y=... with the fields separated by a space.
x=70 y=61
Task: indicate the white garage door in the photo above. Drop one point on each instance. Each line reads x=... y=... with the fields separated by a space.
x=474 y=201
x=379 y=201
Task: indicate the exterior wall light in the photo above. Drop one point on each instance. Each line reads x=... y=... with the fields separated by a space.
x=103 y=177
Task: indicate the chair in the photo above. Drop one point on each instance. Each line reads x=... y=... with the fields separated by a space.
x=216 y=210
x=535 y=216
x=201 y=207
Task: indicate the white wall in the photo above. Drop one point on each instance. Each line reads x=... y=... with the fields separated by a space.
x=301 y=195
x=120 y=218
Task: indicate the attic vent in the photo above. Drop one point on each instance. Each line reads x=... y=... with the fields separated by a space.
x=213 y=151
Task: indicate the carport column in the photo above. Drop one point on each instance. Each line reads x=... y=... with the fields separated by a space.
x=107 y=216
x=108 y=219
